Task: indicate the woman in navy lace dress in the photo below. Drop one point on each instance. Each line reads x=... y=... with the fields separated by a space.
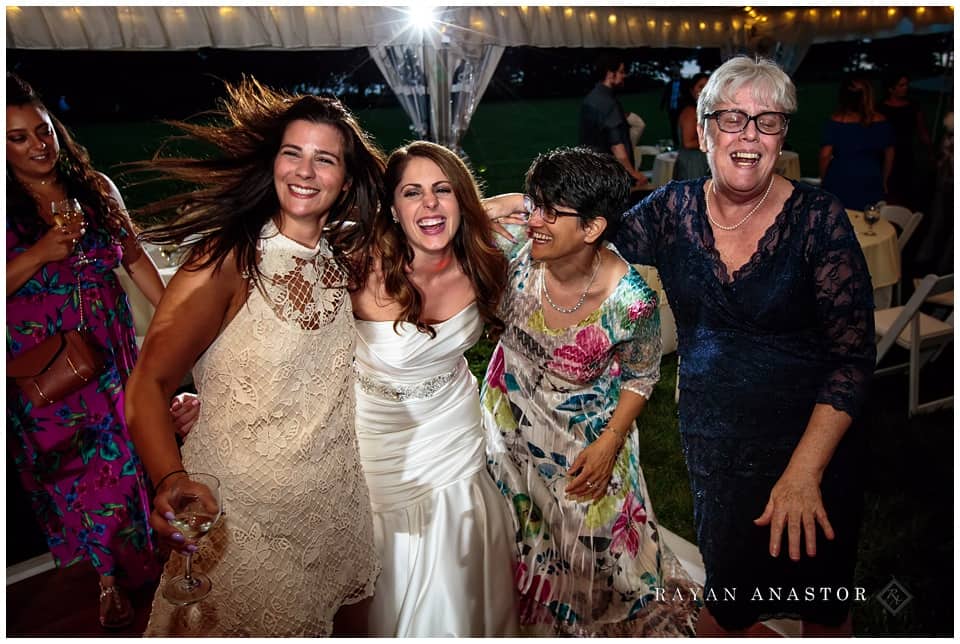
x=774 y=312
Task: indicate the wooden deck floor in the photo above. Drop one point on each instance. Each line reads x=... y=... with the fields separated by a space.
x=63 y=603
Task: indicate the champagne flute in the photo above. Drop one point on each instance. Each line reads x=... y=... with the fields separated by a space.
x=195 y=499
x=871 y=215
x=65 y=213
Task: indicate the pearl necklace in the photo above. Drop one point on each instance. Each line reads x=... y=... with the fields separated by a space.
x=713 y=186
x=583 y=296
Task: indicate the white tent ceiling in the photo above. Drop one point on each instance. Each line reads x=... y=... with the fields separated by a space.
x=315 y=27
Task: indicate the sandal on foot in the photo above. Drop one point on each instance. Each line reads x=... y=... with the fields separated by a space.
x=116 y=611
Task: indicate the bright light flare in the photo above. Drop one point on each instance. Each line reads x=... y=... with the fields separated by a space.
x=420 y=16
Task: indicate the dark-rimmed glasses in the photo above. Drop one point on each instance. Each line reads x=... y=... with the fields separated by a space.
x=548 y=214
x=735 y=121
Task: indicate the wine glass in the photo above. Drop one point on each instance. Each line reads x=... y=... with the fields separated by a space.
x=195 y=499
x=871 y=215
x=65 y=213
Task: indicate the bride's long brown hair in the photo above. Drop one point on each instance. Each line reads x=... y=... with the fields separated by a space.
x=473 y=244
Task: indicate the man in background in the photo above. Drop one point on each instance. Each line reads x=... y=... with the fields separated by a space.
x=603 y=123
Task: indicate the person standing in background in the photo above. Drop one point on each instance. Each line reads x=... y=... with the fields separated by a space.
x=905 y=186
x=691 y=160
x=603 y=123
x=857 y=152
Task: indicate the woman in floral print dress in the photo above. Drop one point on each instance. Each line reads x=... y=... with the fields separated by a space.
x=575 y=366
x=74 y=456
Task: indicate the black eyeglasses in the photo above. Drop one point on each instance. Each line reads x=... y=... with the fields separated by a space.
x=734 y=121
x=549 y=215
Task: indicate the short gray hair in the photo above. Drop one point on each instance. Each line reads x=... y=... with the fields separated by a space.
x=768 y=82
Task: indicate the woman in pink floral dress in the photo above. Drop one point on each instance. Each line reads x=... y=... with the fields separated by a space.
x=75 y=459
x=575 y=366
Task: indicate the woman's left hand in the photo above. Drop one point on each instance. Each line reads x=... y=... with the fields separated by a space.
x=593 y=468
x=795 y=502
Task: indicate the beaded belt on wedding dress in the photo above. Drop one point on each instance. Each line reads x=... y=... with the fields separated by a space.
x=399 y=393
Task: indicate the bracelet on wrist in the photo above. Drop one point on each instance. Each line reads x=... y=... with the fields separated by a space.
x=622 y=434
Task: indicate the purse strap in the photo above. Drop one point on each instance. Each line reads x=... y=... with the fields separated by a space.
x=80 y=303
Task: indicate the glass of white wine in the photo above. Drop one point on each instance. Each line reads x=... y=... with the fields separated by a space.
x=65 y=213
x=871 y=215
x=195 y=499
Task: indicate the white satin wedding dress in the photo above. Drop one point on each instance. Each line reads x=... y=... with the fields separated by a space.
x=441 y=527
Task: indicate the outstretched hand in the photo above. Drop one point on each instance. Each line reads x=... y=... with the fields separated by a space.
x=795 y=503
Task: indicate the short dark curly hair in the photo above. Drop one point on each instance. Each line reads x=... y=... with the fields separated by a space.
x=592 y=183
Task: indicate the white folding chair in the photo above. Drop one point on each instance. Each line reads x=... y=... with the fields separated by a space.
x=904 y=219
x=905 y=222
x=922 y=335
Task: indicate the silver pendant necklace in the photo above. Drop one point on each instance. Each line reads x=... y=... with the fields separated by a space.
x=583 y=296
x=713 y=186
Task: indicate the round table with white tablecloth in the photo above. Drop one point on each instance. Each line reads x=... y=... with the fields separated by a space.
x=668 y=326
x=663 y=168
x=140 y=306
x=788 y=165
x=882 y=255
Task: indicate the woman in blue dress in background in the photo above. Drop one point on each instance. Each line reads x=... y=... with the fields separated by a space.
x=857 y=150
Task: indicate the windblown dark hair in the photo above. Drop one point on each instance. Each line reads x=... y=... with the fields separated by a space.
x=473 y=244
x=234 y=195
x=593 y=184
x=74 y=170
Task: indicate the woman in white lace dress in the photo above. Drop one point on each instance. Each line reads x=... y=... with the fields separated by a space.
x=262 y=314
x=443 y=531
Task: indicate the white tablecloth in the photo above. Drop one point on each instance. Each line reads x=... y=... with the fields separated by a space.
x=139 y=305
x=663 y=168
x=788 y=165
x=668 y=325
x=882 y=255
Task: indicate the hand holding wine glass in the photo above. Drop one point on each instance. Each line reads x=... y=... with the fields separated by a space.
x=195 y=507
x=68 y=213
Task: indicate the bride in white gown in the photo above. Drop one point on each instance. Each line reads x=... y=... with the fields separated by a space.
x=441 y=527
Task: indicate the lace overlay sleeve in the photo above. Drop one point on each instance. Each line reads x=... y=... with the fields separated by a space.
x=844 y=301
x=650 y=227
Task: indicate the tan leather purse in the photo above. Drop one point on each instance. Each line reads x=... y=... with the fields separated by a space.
x=60 y=365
